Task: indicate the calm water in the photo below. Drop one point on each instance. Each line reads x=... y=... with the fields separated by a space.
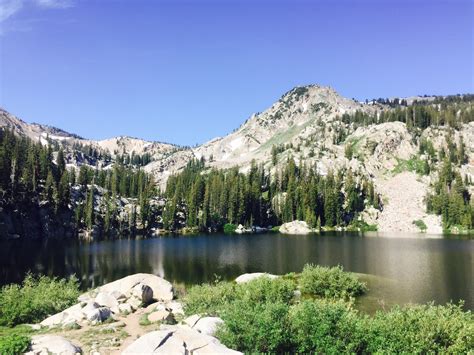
x=400 y=270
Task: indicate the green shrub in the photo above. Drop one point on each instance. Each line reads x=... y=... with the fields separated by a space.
x=208 y=299
x=13 y=344
x=229 y=228
x=421 y=329
x=321 y=326
x=330 y=282
x=35 y=299
x=421 y=225
x=256 y=327
x=265 y=290
x=213 y=299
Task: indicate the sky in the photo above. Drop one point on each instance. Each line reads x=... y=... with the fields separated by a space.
x=186 y=71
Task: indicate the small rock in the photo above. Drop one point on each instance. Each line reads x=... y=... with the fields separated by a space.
x=143 y=292
x=125 y=308
x=160 y=316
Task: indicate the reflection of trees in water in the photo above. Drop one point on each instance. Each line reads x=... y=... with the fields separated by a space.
x=425 y=269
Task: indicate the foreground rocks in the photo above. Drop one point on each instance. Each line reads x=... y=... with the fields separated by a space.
x=149 y=296
x=119 y=297
x=295 y=227
x=180 y=339
x=52 y=344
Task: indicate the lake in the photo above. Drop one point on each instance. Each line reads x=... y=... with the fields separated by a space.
x=414 y=268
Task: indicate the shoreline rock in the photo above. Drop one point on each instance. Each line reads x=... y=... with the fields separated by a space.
x=295 y=227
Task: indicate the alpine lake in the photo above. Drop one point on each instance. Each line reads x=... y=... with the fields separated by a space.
x=398 y=268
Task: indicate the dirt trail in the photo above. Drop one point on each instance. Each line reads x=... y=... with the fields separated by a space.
x=403 y=197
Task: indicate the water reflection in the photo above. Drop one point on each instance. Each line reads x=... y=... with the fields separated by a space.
x=420 y=269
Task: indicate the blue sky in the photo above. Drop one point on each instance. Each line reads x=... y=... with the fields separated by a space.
x=187 y=71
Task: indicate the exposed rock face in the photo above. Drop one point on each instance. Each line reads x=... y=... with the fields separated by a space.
x=295 y=227
x=405 y=204
x=177 y=340
x=52 y=344
x=249 y=277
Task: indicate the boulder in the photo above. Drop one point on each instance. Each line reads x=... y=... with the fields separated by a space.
x=175 y=307
x=162 y=289
x=252 y=276
x=295 y=227
x=177 y=340
x=125 y=308
x=54 y=320
x=208 y=325
x=160 y=316
x=52 y=344
x=98 y=315
x=143 y=292
x=192 y=320
x=107 y=300
x=148 y=343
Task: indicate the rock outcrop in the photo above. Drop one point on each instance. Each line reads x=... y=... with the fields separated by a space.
x=121 y=296
x=295 y=227
x=180 y=339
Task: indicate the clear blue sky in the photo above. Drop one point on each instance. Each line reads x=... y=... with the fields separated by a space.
x=187 y=71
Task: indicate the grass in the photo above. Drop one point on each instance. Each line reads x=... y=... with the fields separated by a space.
x=415 y=164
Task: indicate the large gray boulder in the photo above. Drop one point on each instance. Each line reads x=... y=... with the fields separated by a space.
x=177 y=340
x=162 y=289
x=204 y=325
x=295 y=227
x=52 y=344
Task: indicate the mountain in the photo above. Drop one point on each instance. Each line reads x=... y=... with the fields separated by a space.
x=315 y=126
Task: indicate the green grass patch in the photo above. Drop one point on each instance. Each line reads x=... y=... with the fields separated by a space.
x=415 y=164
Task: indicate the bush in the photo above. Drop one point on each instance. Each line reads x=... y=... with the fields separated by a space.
x=229 y=228
x=213 y=299
x=321 y=326
x=330 y=282
x=13 y=344
x=208 y=299
x=35 y=299
x=421 y=225
x=256 y=327
x=421 y=329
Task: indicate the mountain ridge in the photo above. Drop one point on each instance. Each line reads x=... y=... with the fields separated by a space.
x=315 y=126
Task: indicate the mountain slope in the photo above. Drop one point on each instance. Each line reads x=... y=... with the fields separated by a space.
x=315 y=126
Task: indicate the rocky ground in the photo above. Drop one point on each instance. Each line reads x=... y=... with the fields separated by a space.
x=404 y=203
x=134 y=315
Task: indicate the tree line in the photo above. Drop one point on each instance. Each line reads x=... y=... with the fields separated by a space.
x=208 y=199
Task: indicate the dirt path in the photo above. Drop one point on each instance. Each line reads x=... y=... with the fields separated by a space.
x=403 y=197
